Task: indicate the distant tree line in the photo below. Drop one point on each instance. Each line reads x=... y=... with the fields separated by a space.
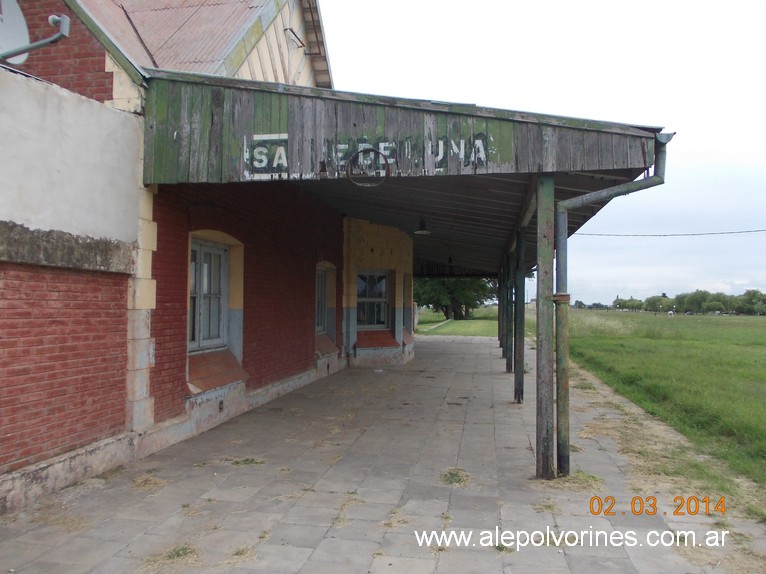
x=751 y=302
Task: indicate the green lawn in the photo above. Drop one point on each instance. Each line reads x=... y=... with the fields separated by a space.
x=483 y=323
x=704 y=375
x=428 y=318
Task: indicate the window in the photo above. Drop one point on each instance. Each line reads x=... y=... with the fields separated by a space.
x=372 y=307
x=208 y=303
x=321 y=301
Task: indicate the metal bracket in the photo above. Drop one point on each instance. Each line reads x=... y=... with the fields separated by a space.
x=61 y=21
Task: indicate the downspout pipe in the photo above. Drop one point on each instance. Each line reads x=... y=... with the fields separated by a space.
x=562 y=298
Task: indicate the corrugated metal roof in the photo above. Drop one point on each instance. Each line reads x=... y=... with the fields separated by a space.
x=112 y=20
x=194 y=35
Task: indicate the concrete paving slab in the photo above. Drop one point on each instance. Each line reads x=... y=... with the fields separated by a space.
x=348 y=552
x=229 y=493
x=658 y=559
x=82 y=551
x=149 y=545
x=461 y=561
x=537 y=559
x=301 y=535
x=281 y=559
x=44 y=567
x=425 y=506
x=320 y=499
x=395 y=564
x=363 y=510
x=396 y=543
x=355 y=529
x=14 y=553
x=117 y=530
x=116 y=565
x=310 y=515
x=387 y=496
x=48 y=535
x=314 y=566
x=601 y=564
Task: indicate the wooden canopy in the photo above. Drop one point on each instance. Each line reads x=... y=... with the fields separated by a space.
x=466 y=173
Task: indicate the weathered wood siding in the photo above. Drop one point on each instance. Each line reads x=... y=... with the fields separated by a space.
x=198 y=131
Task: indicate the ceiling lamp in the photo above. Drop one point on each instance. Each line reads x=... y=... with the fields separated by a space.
x=422 y=229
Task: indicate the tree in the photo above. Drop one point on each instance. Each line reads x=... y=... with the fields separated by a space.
x=692 y=302
x=726 y=301
x=696 y=300
x=751 y=302
x=658 y=303
x=681 y=302
x=713 y=307
x=456 y=297
x=629 y=304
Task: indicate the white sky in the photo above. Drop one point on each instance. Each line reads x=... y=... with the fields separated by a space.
x=693 y=68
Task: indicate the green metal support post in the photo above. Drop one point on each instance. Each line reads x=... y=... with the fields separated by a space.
x=562 y=382
x=519 y=319
x=501 y=311
x=508 y=318
x=545 y=384
x=562 y=300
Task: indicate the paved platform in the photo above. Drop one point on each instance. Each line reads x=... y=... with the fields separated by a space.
x=338 y=477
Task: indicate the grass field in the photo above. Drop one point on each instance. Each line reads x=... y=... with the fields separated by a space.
x=704 y=375
x=482 y=324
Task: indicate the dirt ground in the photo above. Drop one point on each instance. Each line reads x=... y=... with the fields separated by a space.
x=663 y=460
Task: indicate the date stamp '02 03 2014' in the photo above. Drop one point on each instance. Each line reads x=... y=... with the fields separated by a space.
x=640 y=505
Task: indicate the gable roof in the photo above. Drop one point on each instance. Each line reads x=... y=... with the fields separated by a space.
x=200 y=36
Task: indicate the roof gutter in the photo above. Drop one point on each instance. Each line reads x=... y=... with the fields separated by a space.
x=562 y=299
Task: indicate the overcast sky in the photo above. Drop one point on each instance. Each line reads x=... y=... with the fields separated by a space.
x=695 y=69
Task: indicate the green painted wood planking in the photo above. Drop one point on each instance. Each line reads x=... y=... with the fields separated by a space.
x=197 y=132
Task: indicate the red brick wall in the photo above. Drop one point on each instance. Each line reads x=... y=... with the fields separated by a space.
x=170 y=269
x=63 y=357
x=75 y=63
x=280 y=283
x=281 y=230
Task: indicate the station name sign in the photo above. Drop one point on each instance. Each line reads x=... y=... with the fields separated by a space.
x=266 y=156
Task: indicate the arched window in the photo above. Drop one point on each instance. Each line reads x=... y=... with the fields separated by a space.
x=208 y=295
x=215 y=310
